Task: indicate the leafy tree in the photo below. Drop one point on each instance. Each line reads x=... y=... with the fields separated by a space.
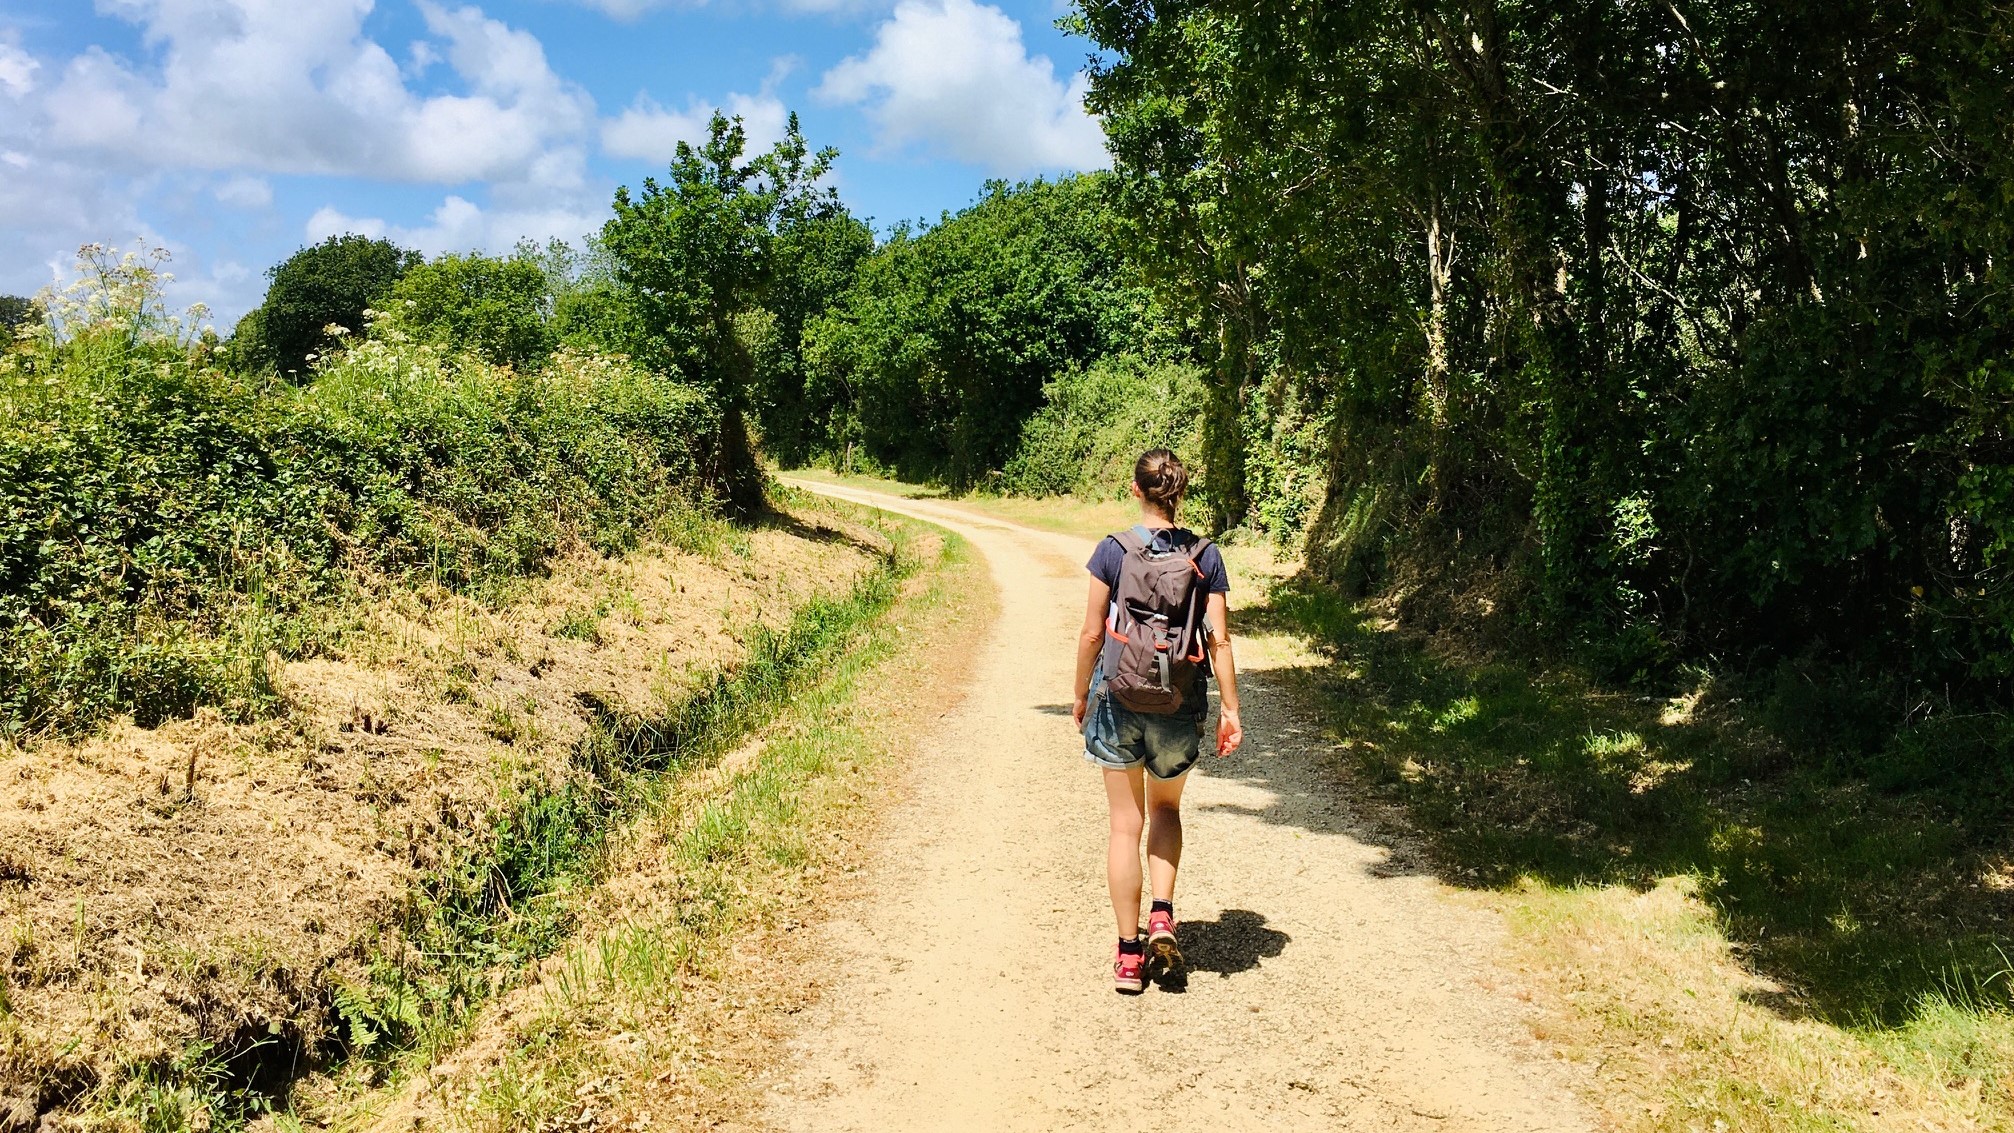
x=16 y=311
x=500 y=309
x=329 y=284
x=696 y=257
x=817 y=258
x=1685 y=321
x=941 y=348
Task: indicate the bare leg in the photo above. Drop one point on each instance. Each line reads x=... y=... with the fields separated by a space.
x=1123 y=790
x=1164 y=833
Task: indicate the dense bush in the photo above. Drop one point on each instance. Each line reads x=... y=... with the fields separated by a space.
x=164 y=521
x=1096 y=421
x=329 y=284
x=498 y=308
x=940 y=349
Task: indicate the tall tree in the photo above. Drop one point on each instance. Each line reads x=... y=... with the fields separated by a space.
x=699 y=255
x=1684 y=319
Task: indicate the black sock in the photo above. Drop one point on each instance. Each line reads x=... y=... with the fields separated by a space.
x=1167 y=907
x=1135 y=946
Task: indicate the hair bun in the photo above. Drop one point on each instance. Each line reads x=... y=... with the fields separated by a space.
x=1161 y=478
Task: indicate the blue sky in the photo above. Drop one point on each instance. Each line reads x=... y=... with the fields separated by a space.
x=233 y=131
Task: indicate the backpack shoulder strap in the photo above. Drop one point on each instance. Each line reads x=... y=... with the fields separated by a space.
x=1197 y=548
x=1132 y=539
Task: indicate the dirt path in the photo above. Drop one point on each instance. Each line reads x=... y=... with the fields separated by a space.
x=1328 y=988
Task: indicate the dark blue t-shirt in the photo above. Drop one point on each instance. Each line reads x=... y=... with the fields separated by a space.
x=1106 y=560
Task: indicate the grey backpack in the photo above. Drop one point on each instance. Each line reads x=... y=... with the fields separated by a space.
x=1154 y=633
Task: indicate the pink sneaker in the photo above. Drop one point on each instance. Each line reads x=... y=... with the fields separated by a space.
x=1129 y=972
x=1161 y=939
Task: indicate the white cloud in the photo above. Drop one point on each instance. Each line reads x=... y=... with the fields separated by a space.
x=281 y=86
x=652 y=132
x=17 y=70
x=245 y=192
x=953 y=77
x=460 y=225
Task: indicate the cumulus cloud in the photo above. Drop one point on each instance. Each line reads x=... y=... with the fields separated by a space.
x=652 y=132
x=17 y=70
x=246 y=90
x=280 y=86
x=460 y=225
x=954 y=77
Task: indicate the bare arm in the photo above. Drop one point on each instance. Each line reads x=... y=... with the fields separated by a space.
x=1230 y=728
x=1089 y=640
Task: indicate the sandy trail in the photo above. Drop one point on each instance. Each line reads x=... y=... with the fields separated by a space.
x=970 y=983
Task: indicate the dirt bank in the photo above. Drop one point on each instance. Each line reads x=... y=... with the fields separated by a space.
x=209 y=883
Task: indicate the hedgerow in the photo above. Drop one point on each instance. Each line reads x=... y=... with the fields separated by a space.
x=167 y=525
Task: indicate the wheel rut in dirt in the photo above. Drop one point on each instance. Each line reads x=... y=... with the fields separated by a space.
x=1327 y=987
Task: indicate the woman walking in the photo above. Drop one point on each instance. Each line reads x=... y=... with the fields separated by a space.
x=1155 y=629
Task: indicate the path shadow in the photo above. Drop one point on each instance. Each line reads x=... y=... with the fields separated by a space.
x=865 y=540
x=1862 y=901
x=1237 y=941
x=1056 y=709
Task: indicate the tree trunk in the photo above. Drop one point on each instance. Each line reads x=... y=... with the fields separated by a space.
x=1223 y=421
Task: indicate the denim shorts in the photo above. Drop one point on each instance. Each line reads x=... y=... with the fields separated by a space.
x=1116 y=737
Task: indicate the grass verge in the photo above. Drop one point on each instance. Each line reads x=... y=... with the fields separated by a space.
x=667 y=999
x=509 y=890
x=1728 y=934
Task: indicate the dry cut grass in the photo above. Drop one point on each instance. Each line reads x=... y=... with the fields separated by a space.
x=178 y=903
x=672 y=997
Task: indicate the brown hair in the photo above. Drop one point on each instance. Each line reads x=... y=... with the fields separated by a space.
x=1162 y=479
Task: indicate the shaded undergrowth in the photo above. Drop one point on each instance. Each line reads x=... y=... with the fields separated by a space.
x=1871 y=902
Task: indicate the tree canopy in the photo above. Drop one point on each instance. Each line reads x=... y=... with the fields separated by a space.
x=16 y=310
x=501 y=309
x=940 y=349
x=327 y=284
x=1688 y=320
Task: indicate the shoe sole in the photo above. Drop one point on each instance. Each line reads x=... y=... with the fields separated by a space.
x=1165 y=950
x=1125 y=988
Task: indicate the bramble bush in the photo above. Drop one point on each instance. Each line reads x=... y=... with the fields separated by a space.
x=167 y=524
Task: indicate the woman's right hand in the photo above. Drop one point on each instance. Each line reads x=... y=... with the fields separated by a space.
x=1230 y=732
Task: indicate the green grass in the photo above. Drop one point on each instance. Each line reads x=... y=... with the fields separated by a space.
x=629 y=978
x=1864 y=910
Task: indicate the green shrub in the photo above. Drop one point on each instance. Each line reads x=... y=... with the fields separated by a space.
x=330 y=284
x=165 y=523
x=1094 y=423
x=494 y=307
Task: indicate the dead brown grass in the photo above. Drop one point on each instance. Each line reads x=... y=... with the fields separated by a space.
x=203 y=881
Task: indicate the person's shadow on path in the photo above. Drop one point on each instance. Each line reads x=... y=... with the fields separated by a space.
x=1235 y=942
